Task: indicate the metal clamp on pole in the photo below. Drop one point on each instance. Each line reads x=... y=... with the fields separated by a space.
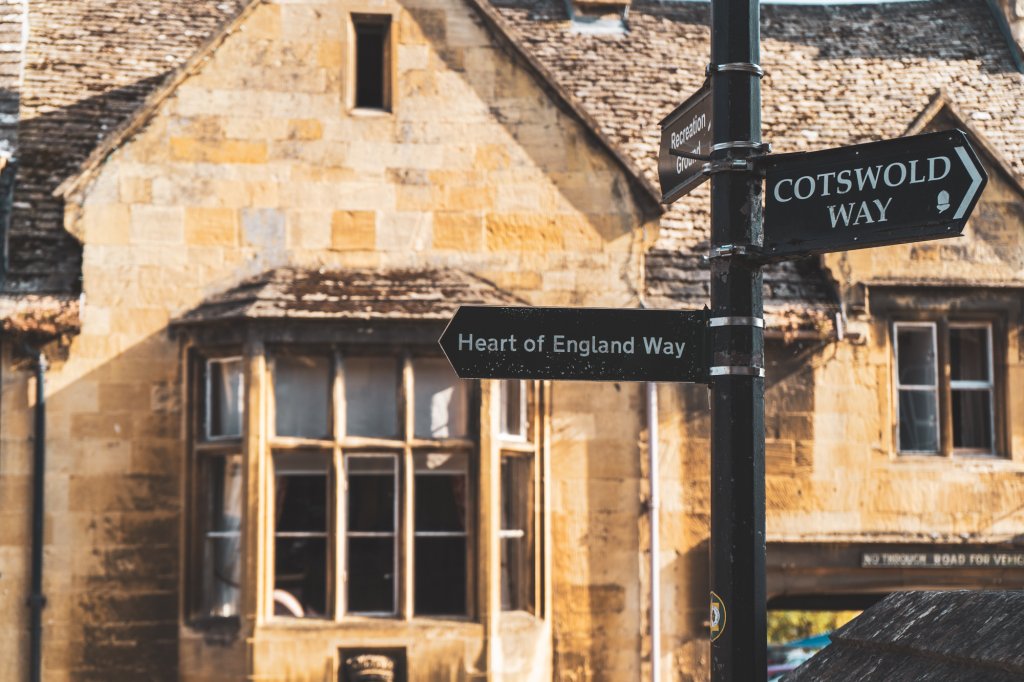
x=742 y=67
x=760 y=148
x=749 y=251
x=737 y=371
x=736 y=322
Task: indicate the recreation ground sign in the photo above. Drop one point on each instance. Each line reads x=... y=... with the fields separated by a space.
x=596 y=344
x=904 y=190
x=685 y=136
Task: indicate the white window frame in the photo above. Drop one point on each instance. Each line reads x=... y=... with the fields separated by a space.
x=897 y=326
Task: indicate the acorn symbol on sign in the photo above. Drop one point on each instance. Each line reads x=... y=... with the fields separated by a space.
x=943 y=202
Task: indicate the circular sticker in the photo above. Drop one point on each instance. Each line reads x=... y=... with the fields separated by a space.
x=717 y=616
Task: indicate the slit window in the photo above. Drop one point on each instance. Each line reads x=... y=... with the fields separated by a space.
x=372 y=65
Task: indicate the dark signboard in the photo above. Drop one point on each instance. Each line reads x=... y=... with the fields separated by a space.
x=687 y=129
x=903 y=190
x=587 y=344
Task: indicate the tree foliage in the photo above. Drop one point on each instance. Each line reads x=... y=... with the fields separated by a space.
x=785 y=626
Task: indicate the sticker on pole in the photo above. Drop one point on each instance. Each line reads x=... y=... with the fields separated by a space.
x=717 y=616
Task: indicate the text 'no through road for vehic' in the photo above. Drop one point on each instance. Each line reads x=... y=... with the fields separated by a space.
x=583 y=344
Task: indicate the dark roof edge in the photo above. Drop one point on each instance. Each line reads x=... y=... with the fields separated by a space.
x=74 y=185
x=646 y=193
x=941 y=101
x=1007 y=32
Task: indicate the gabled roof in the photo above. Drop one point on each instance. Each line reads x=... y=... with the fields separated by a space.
x=88 y=66
x=318 y=294
x=837 y=75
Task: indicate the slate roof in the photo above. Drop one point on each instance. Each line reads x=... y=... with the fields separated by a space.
x=88 y=66
x=318 y=294
x=968 y=636
x=837 y=75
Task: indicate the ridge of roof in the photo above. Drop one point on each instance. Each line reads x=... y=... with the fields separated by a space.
x=73 y=185
x=941 y=103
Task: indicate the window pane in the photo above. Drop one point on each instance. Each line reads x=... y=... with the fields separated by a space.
x=371 y=397
x=440 y=503
x=916 y=361
x=513 y=416
x=972 y=420
x=918 y=421
x=302 y=392
x=224 y=398
x=371 y=497
x=371 y=574
x=300 y=515
x=300 y=577
x=300 y=503
x=220 y=523
x=517 y=534
x=442 y=408
x=968 y=354
x=440 y=575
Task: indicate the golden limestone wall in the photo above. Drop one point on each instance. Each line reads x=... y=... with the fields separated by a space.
x=256 y=161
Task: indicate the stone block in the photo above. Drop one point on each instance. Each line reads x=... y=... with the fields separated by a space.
x=305 y=129
x=523 y=232
x=135 y=190
x=404 y=232
x=264 y=23
x=352 y=230
x=211 y=226
x=223 y=151
x=309 y=229
x=330 y=55
x=157 y=224
x=107 y=224
x=106 y=426
x=458 y=231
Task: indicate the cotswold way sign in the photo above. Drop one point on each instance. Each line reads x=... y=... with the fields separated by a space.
x=904 y=190
x=584 y=344
x=688 y=130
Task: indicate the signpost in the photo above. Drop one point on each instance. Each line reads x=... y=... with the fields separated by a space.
x=582 y=344
x=685 y=145
x=904 y=190
x=895 y=191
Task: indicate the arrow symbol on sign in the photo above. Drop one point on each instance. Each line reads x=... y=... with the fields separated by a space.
x=976 y=180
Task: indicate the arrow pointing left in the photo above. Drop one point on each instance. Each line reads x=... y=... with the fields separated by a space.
x=584 y=344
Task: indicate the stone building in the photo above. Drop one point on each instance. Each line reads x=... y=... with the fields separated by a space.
x=234 y=231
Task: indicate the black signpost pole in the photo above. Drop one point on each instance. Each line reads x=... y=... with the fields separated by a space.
x=738 y=609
